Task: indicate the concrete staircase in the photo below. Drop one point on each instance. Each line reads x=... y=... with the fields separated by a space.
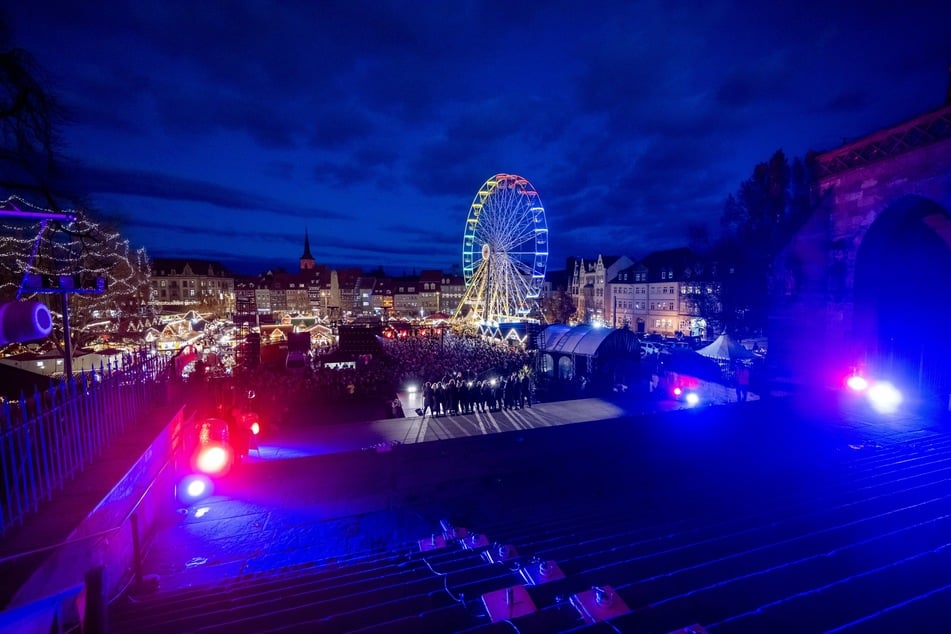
x=778 y=541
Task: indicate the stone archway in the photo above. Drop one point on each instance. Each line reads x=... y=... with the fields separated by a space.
x=863 y=279
x=902 y=292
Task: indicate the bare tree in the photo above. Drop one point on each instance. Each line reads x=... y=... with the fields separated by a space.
x=29 y=119
x=32 y=175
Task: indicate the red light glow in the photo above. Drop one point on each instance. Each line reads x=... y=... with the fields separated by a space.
x=255 y=428
x=213 y=460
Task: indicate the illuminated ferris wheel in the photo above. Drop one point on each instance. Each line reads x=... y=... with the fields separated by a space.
x=504 y=251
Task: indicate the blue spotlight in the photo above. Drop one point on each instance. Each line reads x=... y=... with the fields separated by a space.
x=194 y=487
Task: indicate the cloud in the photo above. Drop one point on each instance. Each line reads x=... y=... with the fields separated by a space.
x=632 y=120
x=106 y=180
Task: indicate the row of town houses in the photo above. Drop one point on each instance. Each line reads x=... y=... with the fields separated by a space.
x=657 y=294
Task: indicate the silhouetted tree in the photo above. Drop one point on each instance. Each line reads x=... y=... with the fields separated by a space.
x=30 y=161
x=32 y=177
x=757 y=222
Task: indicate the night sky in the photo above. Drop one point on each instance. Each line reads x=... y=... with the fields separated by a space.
x=223 y=130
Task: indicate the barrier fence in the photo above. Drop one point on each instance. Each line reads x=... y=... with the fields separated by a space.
x=48 y=438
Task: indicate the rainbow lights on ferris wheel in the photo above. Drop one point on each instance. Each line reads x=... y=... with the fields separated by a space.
x=504 y=251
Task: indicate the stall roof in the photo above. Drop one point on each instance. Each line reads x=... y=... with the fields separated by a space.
x=583 y=340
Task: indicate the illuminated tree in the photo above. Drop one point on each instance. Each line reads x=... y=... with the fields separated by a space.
x=32 y=173
x=557 y=306
x=85 y=249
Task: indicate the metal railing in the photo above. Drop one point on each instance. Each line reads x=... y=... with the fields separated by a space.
x=46 y=439
x=58 y=610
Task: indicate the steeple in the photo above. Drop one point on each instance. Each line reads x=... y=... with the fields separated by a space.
x=306 y=260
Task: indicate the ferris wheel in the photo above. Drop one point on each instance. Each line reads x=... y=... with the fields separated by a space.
x=504 y=251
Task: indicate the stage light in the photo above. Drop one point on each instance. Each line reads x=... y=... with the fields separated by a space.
x=678 y=391
x=692 y=398
x=194 y=487
x=884 y=397
x=857 y=383
x=255 y=428
x=213 y=460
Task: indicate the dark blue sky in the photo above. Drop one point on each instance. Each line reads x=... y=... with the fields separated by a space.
x=222 y=130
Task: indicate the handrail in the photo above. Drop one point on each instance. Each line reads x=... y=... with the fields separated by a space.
x=107 y=531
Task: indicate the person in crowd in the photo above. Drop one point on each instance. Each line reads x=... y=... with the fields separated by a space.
x=428 y=399
x=525 y=391
x=742 y=380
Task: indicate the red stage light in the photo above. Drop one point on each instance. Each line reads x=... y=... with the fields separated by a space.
x=213 y=460
x=255 y=428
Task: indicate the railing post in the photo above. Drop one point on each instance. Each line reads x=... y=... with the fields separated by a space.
x=136 y=549
x=95 y=619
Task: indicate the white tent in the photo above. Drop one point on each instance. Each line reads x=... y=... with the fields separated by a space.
x=724 y=348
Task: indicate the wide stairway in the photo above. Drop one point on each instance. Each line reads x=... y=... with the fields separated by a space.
x=715 y=537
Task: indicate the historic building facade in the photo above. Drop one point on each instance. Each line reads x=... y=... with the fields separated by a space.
x=183 y=284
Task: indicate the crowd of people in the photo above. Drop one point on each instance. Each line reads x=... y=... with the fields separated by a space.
x=455 y=367
x=460 y=396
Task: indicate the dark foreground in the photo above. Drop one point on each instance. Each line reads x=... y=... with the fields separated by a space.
x=752 y=518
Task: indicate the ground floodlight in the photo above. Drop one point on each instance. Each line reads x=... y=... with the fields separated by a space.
x=692 y=398
x=213 y=460
x=194 y=487
x=884 y=397
x=857 y=383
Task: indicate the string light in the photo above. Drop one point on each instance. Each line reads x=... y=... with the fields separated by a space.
x=81 y=247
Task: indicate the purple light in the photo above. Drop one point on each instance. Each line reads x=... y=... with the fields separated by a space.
x=857 y=383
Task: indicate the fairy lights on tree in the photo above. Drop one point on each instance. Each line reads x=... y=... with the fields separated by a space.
x=34 y=177
x=86 y=249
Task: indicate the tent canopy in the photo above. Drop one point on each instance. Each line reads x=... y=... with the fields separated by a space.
x=724 y=348
x=588 y=341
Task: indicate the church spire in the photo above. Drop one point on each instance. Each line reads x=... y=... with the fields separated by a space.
x=306 y=260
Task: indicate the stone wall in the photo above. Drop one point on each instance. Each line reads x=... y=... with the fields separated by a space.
x=812 y=321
